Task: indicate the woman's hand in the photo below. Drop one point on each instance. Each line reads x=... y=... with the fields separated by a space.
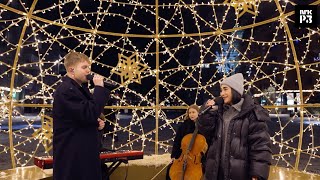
x=210 y=102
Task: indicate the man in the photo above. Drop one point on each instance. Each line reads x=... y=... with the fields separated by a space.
x=75 y=122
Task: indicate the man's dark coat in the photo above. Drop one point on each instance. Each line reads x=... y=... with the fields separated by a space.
x=75 y=131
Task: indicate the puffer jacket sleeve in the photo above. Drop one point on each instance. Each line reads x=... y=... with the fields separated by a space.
x=207 y=122
x=259 y=143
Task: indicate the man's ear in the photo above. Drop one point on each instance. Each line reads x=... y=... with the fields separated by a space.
x=70 y=69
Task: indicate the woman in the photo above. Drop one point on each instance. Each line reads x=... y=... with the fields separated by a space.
x=187 y=127
x=240 y=143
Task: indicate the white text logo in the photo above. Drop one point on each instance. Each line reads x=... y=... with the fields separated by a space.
x=306 y=16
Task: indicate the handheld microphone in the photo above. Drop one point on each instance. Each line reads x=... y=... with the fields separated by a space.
x=218 y=101
x=106 y=82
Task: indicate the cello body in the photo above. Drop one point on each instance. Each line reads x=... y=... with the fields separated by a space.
x=189 y=166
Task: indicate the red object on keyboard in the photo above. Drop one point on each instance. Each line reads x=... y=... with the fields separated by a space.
x=47 y=161
x=129 y=155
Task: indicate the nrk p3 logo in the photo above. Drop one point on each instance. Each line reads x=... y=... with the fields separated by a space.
x=306 y=15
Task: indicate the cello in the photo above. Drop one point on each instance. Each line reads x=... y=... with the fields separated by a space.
x=188 y=166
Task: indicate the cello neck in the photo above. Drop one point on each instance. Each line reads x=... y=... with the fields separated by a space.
x=194 y=134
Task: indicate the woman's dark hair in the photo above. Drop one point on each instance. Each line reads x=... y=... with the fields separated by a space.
x=236 y=97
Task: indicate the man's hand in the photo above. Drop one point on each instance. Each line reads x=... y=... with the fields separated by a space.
x=98 y=80
x=254 y=178
x=101 y=124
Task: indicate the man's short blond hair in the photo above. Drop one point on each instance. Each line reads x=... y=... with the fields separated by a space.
x=74 y=58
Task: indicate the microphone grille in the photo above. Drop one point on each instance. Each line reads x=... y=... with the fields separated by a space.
x=218 y=100
x=89 y=77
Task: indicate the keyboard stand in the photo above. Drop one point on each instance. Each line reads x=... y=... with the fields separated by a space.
x=115 y=165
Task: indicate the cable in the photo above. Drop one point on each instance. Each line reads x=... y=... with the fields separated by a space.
x=127 y=171
x=161 y=171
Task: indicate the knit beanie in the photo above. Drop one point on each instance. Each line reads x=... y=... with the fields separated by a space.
x=235 y=82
